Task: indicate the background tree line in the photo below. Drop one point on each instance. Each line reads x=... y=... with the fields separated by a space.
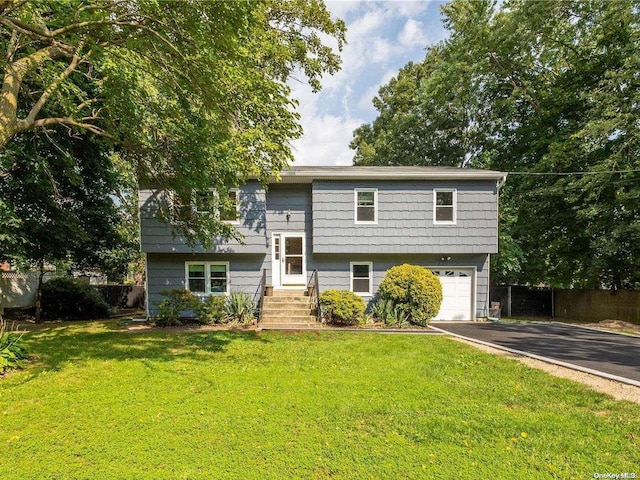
x=551 y=92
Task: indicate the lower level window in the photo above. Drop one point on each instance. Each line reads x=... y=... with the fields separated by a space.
x=207 y=278
x=362 y=277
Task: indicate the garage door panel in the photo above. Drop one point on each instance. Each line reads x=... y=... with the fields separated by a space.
x=457 y=294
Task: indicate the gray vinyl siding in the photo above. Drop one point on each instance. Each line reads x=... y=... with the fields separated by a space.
x=156 y=236
x=167 y=272
x=405 y=218
x=334 y=271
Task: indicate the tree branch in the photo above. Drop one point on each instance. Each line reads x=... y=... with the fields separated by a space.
x=53 y=86
x=82 y=123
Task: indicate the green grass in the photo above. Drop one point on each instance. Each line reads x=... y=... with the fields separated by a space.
x=98 y=403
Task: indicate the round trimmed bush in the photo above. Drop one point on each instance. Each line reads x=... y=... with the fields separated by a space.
x=414 y=290
x=342 y=306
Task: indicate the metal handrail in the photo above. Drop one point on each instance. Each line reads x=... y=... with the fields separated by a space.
x=261 y=288
x=314 y=296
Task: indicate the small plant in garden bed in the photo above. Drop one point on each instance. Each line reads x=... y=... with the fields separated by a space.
x=391 y=315
x=12 y=352
x=240 y=308
x=342 y=306
x=171 y=308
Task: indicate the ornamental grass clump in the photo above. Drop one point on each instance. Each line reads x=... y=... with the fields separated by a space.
x=413 y=290
x=342 y=306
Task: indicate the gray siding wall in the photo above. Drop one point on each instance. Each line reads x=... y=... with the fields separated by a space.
x=334 y=271
x=167 y=271
x=405 y=218
x=156 y=236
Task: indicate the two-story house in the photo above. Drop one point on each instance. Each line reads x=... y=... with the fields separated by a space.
x=351 y=224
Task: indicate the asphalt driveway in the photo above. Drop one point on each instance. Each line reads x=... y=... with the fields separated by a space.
x=606 y=352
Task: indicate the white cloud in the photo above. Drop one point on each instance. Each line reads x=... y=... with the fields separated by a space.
x=382 y=36
x=412 y=34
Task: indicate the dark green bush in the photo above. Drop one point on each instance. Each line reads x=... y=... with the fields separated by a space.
x=12 y=352
x=176 y=302
x=72 y=299
x=342 y=306
x=211 y=310
x=414 y=290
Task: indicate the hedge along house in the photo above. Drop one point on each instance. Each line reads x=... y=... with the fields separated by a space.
x=350 y=224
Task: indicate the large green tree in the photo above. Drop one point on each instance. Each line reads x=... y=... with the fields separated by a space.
x=192 y=92
x=551 y=92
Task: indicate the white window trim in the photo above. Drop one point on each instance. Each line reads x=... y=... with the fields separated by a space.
x=216 y=212
x=375 y=206
x=370 y=265
x=207 y=278
x=237 y=220
x=455 y=206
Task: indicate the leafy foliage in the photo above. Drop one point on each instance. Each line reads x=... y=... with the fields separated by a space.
x=386 y=311
x=72 y=299
x=12 y=350
x=546 y=89
x=413 y=290
x=192 y=94
x=176 y=302
x=212 y=310
x=342 y=306
x=240 y=308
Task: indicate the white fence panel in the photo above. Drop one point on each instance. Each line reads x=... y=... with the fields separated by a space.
x=18 y=290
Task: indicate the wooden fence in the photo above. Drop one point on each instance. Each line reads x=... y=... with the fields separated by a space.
x=597 y=305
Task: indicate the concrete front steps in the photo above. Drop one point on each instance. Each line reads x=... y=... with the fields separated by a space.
x=288 y=309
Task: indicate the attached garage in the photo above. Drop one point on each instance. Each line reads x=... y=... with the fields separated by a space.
x=458 y=295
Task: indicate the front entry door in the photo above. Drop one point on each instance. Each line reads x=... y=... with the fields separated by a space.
x=289 y=262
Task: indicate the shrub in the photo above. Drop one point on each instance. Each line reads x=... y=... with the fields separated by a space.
x=11 y=349
x=240 y=308
x=414 y=290
x=385 y=311
x=72 y=299
x=171 y=307
x=211 y=310
x=342 y=306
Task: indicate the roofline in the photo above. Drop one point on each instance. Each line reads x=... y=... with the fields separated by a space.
x=309 y=175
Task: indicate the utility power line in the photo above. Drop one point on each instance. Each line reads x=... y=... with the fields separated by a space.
x=565 y=174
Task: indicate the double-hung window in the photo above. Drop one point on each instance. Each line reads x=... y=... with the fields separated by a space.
x=362 y=278
x=366 y=205
x=207 y=278
x=209 y=202
x=444 y=206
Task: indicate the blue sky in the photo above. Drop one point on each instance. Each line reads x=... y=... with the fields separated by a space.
x=382 y=36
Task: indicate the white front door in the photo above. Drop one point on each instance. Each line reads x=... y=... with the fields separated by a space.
x=289 y=267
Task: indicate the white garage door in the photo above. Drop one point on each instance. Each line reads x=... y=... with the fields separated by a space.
x=457 y=294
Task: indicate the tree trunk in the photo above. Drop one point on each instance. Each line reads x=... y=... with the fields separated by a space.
x=39 y=293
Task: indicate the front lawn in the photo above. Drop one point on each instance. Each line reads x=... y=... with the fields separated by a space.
x=99 y=403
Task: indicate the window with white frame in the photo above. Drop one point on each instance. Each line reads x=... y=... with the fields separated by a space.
x=207 y=278
x=362 y=277
x=444 y=206
x=208 y=202
x=366 y=205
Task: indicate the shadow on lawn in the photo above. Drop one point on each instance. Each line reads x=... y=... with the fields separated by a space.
x=53 y=345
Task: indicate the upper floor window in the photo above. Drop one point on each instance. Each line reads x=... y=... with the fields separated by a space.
x=444 y=209
x=207 y=202
x=366 y=205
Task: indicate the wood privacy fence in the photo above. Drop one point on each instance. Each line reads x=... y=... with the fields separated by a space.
x=598 y=305
x=587 y=306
